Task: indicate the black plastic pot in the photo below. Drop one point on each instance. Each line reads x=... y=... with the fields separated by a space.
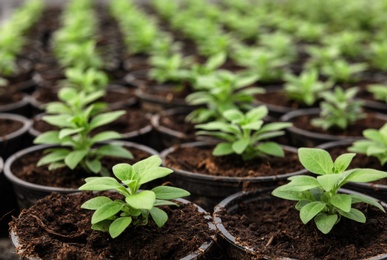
x=28 y=193
x=157 y=98
x=21 y=107
x=233 y=247
x=168 y=136
x=16 y=140
x=204 y=251
x=303 y=138
x=207 y=190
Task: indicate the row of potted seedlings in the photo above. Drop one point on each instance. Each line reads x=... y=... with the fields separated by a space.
x=242 y=147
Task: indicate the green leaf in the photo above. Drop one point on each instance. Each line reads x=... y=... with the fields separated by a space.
x=365 y=175
x=100 y=184
x=69 y=131
x=271 y=148
x=325 y=222
x=169 y=193
x=159 y=216
x=240 y=146
x=153 y=174
x=354 y=214
x=222 y=149
x=147 y=163
x=96 y=202
x=54 y=156
x=94 y=165
x=106 y=211
x=49 y=137
x=104 y=136
x=60 y=121
x=123 y=171
x=284 y=193
x=310 y=210
x=119 y=225
x=142 y=200
x=342 y=202
x=342 y=162
x=102 y=225
x=105 y=118
x=113 y=150
x=356 y=198
x=330 y=181
x=233 y=115
x=301 y=183
x=75 y=157
x=315 y=160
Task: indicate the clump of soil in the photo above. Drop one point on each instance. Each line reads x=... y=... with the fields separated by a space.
x=57 y=228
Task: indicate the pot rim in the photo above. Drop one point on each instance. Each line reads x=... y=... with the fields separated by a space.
x=207 y=245
x=254 y=195
x=26 y=124
x=327 y=137
x=17 y=181
x=197 y=175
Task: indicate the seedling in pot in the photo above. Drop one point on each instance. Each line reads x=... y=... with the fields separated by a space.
x=220 y=91
x=86 y=80
x=374 y=144
x=339 y=109
x=306 y=87
x=343 y=72
x=378 y=54
x=245 y=134
x=115 y=216
x=379 y=92
x=75 y=144
x=319 y=198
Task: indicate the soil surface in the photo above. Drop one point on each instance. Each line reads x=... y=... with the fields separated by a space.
x=7 y=98
x=201 y=160
x=356 y=129
x=273 y=228
x=25 y=168
x=8 y=126
x=57 y=228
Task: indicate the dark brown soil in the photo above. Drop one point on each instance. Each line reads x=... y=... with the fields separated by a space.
x=273 y=228
x=7 y=98
x=279 y=99
x=57 y=228
x=178 y=123
x=201 y=160
x=8 y=126
x=25 y=168
x=371 y=121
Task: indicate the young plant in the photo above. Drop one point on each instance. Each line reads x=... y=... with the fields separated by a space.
x=339 y=109
x=341 y=71
x=379 y=92
x=115 y=216
x=244 y=134
x=319 y=198
x=378 y=54
x=306 y=87
x=374 y=144
x=76 y=146
x=218 y=92
x=89 y=80
x=169 y=68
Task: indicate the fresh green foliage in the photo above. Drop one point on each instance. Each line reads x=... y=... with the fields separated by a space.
x=339 y=109
x=319 y=197
x=169 y=68
x=374 y=144
x=306 y=87
x=114 y=216
x=320 y=56
x=379 y=91
x=220 y=91
x=348 y=42
x=378 y=54
x=89 y=80
x=342 y=71
x=75 y=145
x=244 y=134
x=12 y=34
